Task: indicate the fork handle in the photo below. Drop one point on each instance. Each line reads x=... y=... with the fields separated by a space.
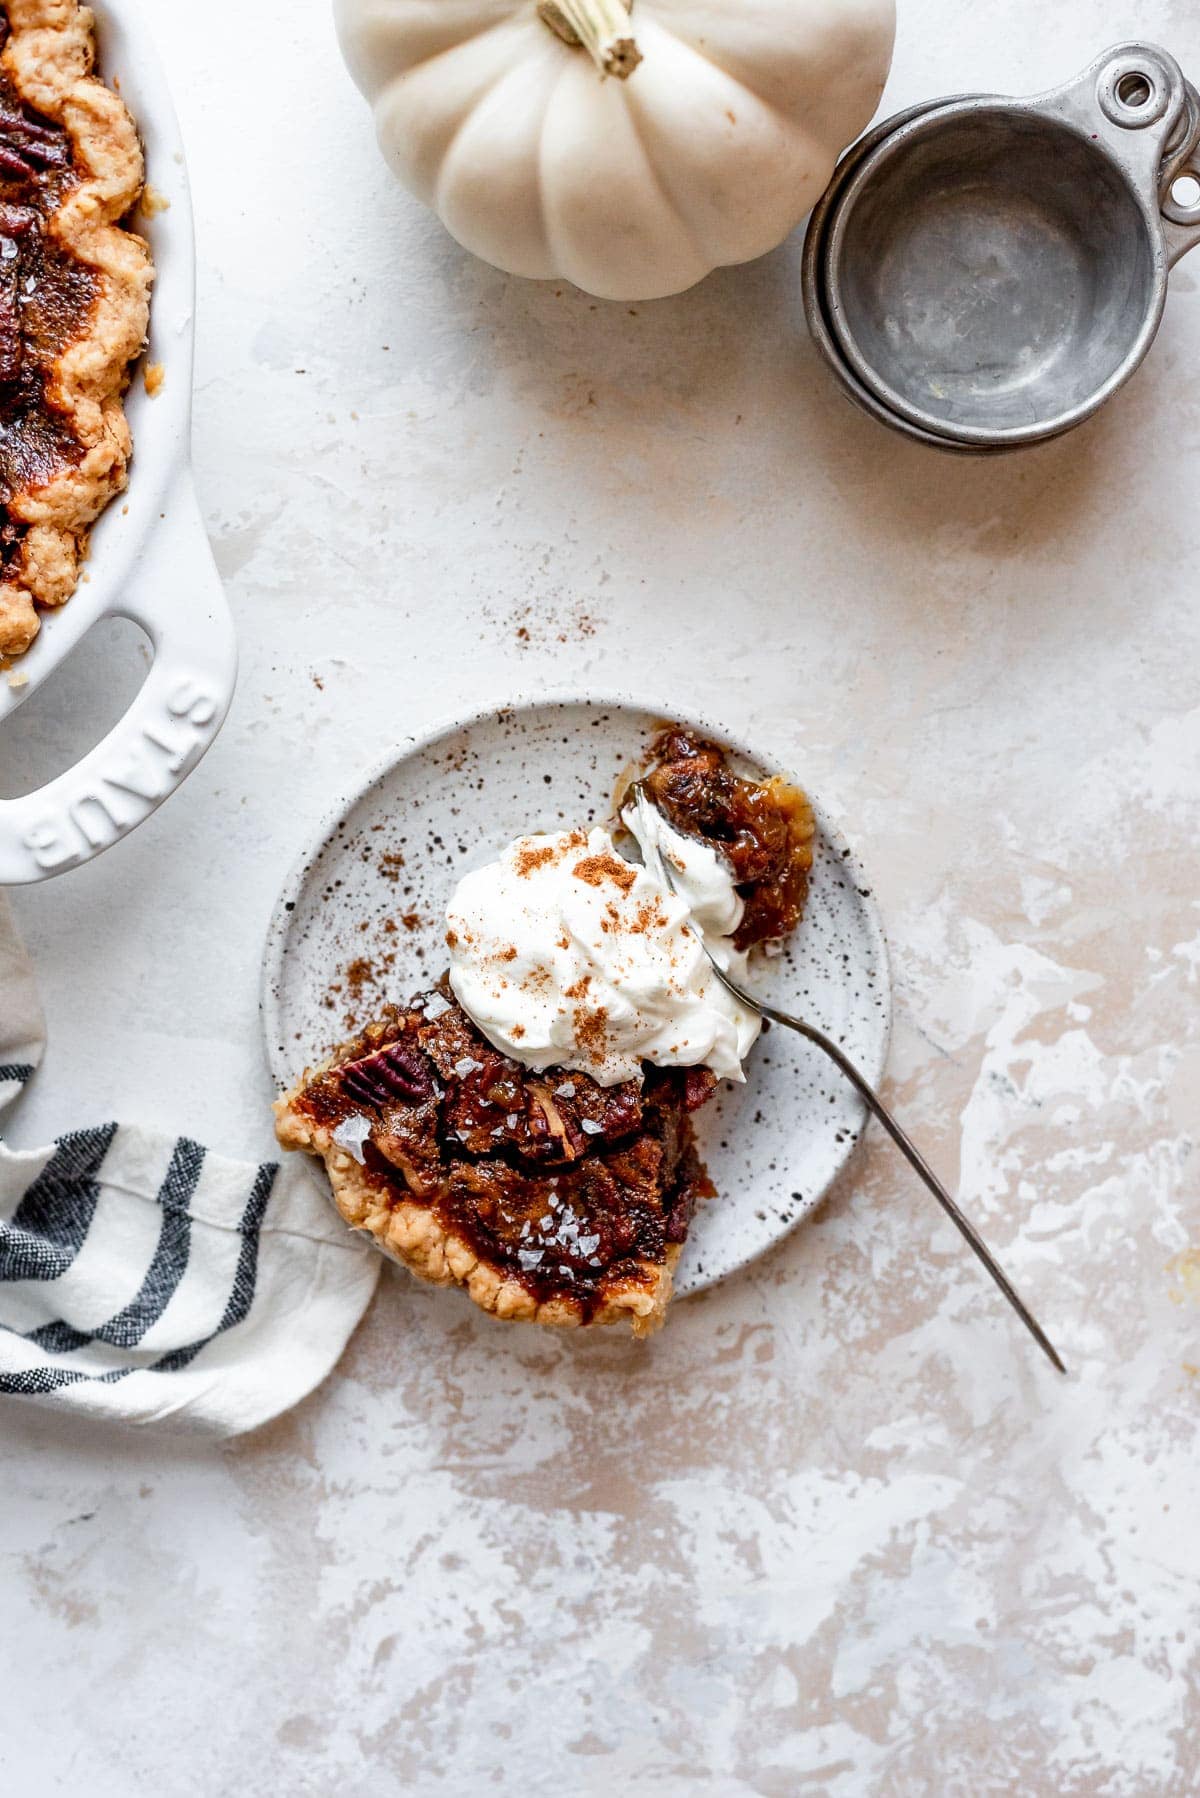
x=920 y=1166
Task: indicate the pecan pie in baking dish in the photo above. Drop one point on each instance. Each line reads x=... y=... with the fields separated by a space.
x=524 y=1130
x=74 y=303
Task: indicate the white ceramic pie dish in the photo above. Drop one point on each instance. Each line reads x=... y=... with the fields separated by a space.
x=448 y=801
x=150 y=559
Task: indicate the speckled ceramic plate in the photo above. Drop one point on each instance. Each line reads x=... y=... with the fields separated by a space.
x=360 y=921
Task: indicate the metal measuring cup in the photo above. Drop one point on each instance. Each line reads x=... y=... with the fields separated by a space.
x=813 y=289
x=984 y=272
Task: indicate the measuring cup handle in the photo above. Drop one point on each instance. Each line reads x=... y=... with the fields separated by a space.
x=1180 y=222
x=1133 y=99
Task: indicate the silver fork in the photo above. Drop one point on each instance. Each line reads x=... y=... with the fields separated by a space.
x=874 y=1105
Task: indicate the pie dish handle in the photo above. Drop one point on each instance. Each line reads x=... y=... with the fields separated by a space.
x=174 y=593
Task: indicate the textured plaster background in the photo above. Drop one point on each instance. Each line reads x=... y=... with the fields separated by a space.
x=836 y=1531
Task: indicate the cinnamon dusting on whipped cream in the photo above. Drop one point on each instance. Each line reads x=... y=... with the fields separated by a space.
x=596 y=869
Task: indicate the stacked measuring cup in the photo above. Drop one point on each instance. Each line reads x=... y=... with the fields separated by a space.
x=983 y=273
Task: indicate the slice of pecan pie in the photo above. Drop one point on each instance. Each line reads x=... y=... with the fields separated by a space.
x=546 y=1196
x=74 y=300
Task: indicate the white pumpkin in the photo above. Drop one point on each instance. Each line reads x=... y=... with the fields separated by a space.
x=627 y=151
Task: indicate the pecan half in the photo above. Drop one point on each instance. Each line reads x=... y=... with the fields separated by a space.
x=391 y=1073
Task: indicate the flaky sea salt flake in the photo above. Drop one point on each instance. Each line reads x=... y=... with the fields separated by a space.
x=351 y=1134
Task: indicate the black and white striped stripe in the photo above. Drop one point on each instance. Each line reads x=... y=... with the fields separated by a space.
x=51 y=1223
x=13 y=1075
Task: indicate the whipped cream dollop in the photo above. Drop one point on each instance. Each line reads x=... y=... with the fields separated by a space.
x=566 y=955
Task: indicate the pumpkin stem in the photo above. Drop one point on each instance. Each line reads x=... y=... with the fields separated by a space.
x=601 y=26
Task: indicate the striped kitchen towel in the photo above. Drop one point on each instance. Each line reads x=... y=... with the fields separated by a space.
x=146 y=1280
